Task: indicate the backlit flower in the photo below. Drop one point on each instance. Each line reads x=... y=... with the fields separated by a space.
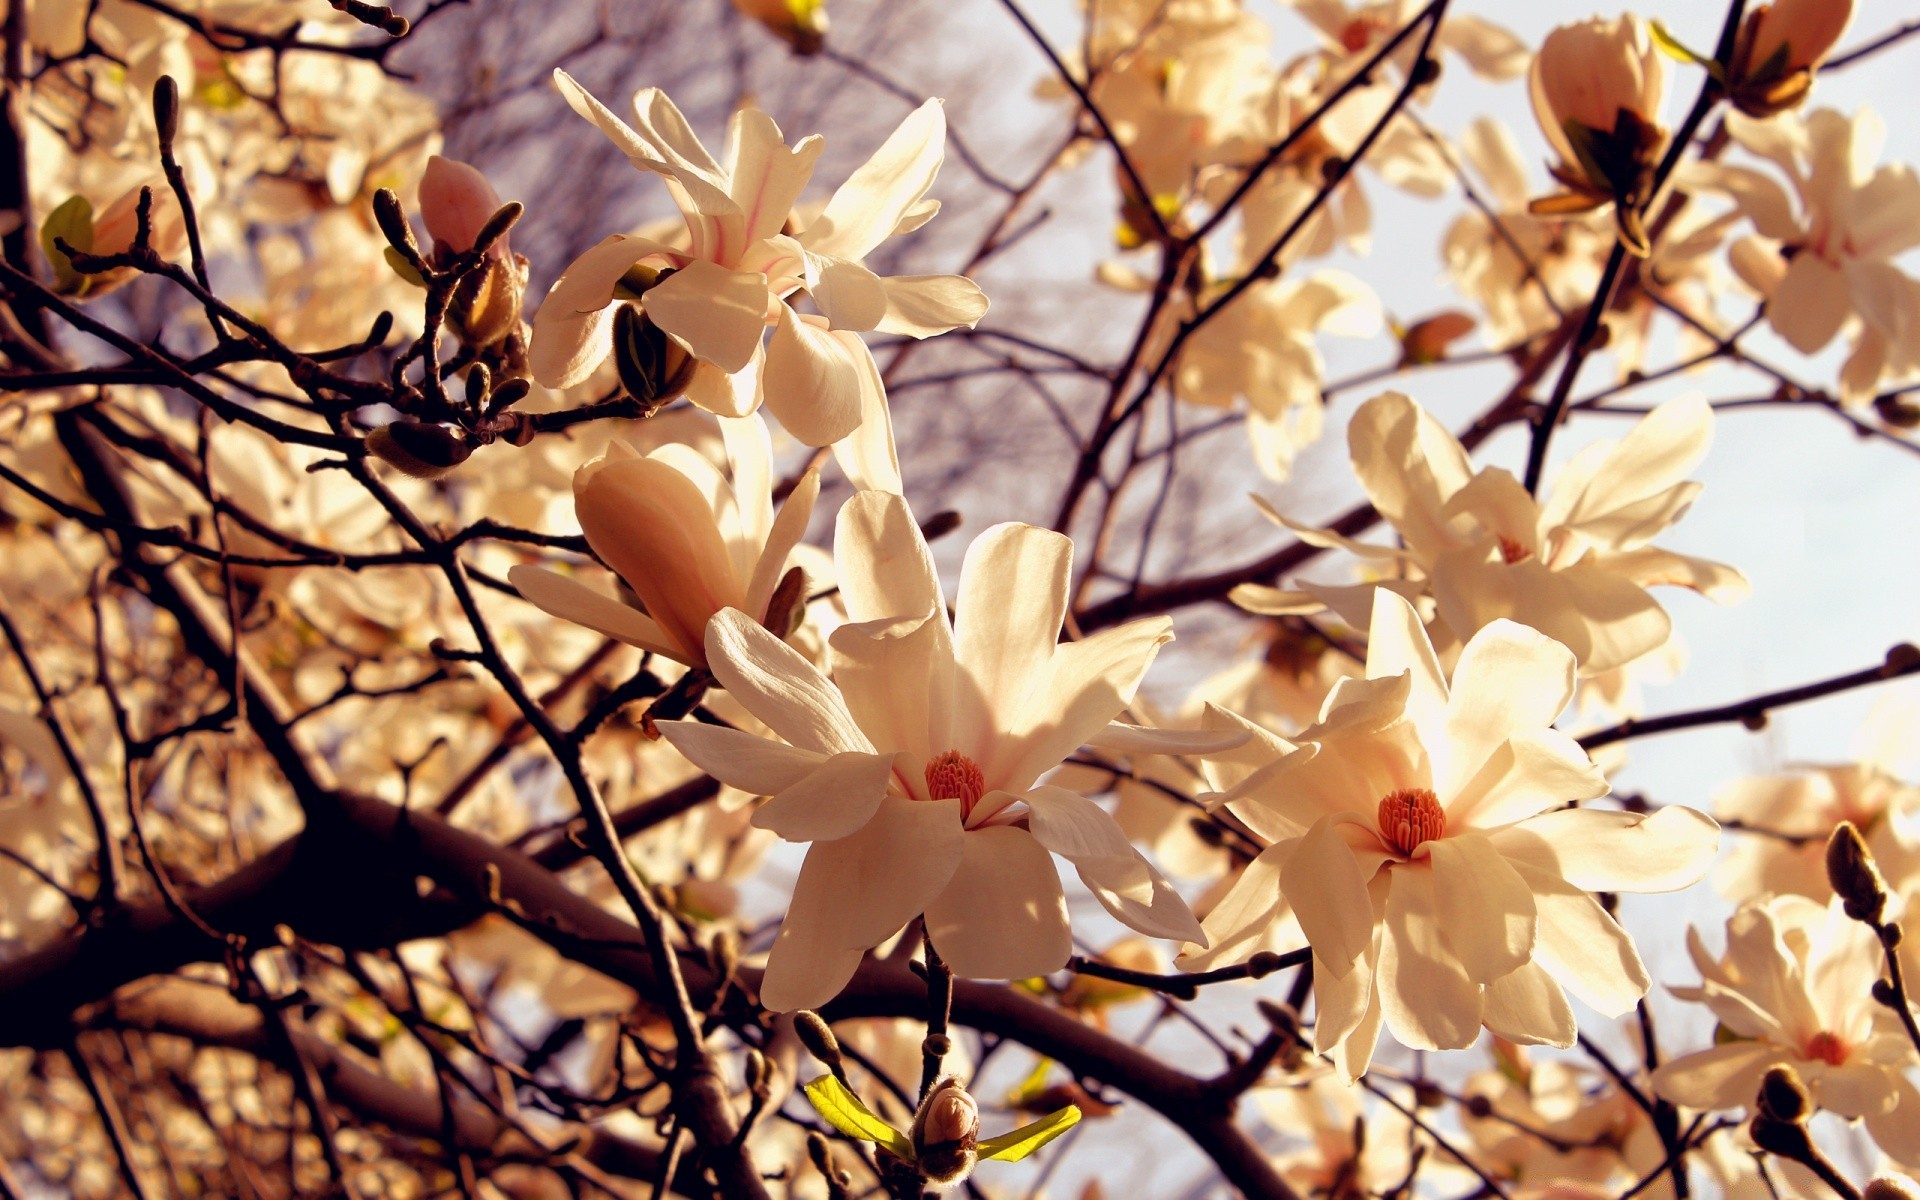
x=1597 y=88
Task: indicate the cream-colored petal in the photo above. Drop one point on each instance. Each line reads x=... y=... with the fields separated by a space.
x=664 y=145
x=886 y=570
x=780 y=687
x=814 y=379
x=893 y=868
x=1582 y=947
x=719 y=314
x=1239 y=924
x=1528 y=1007
x=571 y=600
x=1126 y=885
x=1121 y=738
x=765 y=178
x=1323 y=884
x=920 y=306
x=1720 y=1077
x=1525 y=775
x=866 y=208
x=1509 y=679
x=1397 y=642
x=809 y=963
x=1007 y=617
x=849 y=296
x=788 y=529
x=756 y=765
x=1084 y=685
x=1002 y=915
x=830 y=802
x=1427 y=998
x=1601 y=850
x=897 y=676
x=1810 y=305
x=867 y=455
x=1485 y=910
x=1410 y=466
x=571 y=330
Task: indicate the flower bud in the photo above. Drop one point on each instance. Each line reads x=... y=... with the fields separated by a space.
x=1780 y=47
x=1783 y=1097
x=1891 y=1187
x=946 y=1133
x=1597 y=88
x=817 y=1036
x=485 y=307
x=653 y=367
x=420 y=450
x=801 y=24
x=1854 y=876
x=456 y=202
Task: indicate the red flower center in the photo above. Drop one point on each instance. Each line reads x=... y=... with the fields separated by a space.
x=1827 y=1048
x=954 y=776
x=1513 y=551
x=1408 y=817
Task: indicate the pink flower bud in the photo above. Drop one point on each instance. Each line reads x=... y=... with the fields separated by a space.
x=1805 y=29
x=456 y=201
x=1590 y=72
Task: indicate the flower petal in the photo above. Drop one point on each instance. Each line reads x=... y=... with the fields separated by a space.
x=1126 y=885
x=1083 y=686
x=1121 y=738
x=894 y=867
x=830 y=802
x=780 y=687
x=1509 y=679
x=1602 y=850
x=571 y=329
x=1240 y=923
x=1002 y=915
x=1428 y=1000
x=1007 y=616
x=1323 y=883
x=808 y=964
x=886 y=570
x=814 y=379
x=1528 y=1007
x=756 y=765
x=871 y=203
x=920 y=306
x=1721 y=1077
x=1582 y=947
x=571 y=600
x=849 y=295
x=1485 y=910
x=719 y=314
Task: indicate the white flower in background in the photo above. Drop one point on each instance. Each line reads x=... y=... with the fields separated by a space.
x=719 y=289
x=1792 y=814
x=1795 y=988
x=1576 y=568
x=916 y=770
x=1825 y=265
x=686 y=539
x=1423 y=836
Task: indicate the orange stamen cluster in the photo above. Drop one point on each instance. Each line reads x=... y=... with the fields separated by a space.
x=1408 y=817
x=1512 y=551
x=1827 y=1048
x=954 y=776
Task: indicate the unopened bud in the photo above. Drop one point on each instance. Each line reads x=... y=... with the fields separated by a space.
x=485 y=306
x=1783 y=1097
x=417 y=449
x=653 y=367
x=818 y=1038
x=1891 y=1187
x=392 y=220
x=1784 y=1138
x=457 y=202
x=166 y=110
x=946 y=1133
x=1854 y=876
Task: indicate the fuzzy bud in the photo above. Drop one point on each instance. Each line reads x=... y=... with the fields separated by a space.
x=456 y=202
x=1891 y=1187
x=653 y=367
x=1783 y=1097
x=817 y=1036
x=417 y=449
x=1854 y=876
x=946 y=1133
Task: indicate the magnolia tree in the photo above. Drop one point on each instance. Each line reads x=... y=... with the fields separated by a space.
x=527 y=698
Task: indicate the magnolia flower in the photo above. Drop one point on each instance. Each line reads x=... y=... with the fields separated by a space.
x=915 y=771
x=1792 y=815
x=1827 y=263
x=1597 y=88
x=1490 y=51
x=688 y=541
x=1261 y=347
x=1795 y=987
x=1603 y=1140
x=1423 y=837
x=110 y=231
x=1780 y=46
x=719 y=289
x=1576 y=568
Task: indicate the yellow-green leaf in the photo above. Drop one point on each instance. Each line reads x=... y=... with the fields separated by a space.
x=1033 y=1084
x=1673 y=47
x=844 y=1111
x=1012 y=1147
x=403 y=268
x=72 y=222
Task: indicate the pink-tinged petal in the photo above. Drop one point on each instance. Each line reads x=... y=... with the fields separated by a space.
x=809 y=964
x=896 y=676
x=1428 y=999
x=1582 y=947
x=1007 y=616
x=756 y=765
x=719 y=314
x=765 y=176
x=788 y=528
x=780 y=687
x=867 y=456
x=656 y=529
x=1240 y=923
x=571 y=331
x=830 y=802
x=1721 y=1077
x=1528 y=1007
x=849 y=295
x=872 y=202
x=1397 y=642
x=456 y=202
x=1525 y=775
x=571 y=600
x=665 y=146
x=1323 y=882
x=1084 y=685
x=1121 y=738
x=1604 y=851
x=1810 y=304
x=815 y=379
x=920 y=306
x=1485 y=909
x=1509 y=679
x=894 y=867
x=1002 y=915
x=1126 y=885
x=886 y=571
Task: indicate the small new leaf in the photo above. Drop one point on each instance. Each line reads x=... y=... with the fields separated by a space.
x=843 y=1110
x=1012 y=1147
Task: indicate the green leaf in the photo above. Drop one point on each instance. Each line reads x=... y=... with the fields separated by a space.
x=72 y=221
x=844 y=1111
x=1674 y=48
x=1012 y=1147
